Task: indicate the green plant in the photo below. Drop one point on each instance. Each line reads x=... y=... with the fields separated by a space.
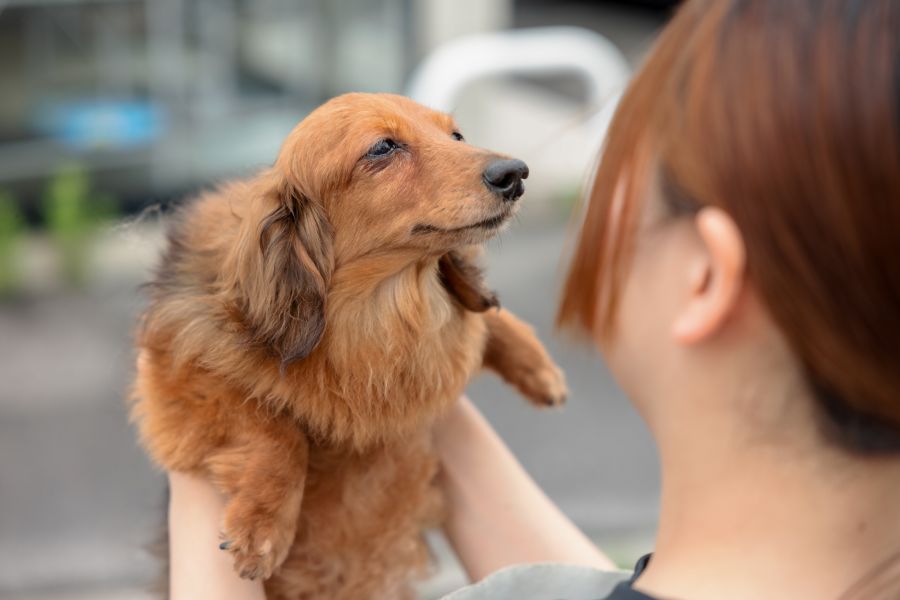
x=73 y=218
x=12 y=227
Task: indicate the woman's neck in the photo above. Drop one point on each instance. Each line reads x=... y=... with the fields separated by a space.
x=768 y=519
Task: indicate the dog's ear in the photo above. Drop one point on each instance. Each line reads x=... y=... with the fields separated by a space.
x=285 y=285
x=465 y=282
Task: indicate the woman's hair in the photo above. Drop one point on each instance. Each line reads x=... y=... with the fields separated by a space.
x=786 y=115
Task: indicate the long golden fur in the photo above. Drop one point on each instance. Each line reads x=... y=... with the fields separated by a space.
x=307 y=325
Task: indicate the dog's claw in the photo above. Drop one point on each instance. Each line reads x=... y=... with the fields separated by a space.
x=555 y=400
x=225 y=545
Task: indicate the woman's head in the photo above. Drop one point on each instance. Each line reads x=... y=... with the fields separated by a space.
x=751 y=181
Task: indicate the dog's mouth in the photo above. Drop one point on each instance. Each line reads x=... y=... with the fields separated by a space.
x=490 y=223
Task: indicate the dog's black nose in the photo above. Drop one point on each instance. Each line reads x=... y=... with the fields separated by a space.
x=504 y=177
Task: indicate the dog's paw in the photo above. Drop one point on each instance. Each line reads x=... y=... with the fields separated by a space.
x=257 y=542
x=544 y=386
x=256 y=554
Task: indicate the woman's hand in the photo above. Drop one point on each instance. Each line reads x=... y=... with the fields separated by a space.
x=198 y=569
x=498 y=516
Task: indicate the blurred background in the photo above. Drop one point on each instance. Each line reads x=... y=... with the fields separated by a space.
x=111 y=111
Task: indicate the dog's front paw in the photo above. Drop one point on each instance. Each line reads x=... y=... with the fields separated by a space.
x=255 y=555
x=258 y=540
x=544 y=386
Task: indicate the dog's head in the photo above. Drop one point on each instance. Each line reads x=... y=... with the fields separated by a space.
x=391 y=174
x=366 y=175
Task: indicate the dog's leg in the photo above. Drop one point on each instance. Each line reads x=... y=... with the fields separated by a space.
x=262 y=474
x=515 y=353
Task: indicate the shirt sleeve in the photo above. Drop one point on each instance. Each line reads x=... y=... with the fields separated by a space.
x=543 y=582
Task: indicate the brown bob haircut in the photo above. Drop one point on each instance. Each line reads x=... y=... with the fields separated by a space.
x=785 y=114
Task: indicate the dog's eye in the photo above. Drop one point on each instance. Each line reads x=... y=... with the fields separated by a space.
x=382 y=148
x=458 y=136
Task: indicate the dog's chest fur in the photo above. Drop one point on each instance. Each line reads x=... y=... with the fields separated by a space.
x=389 y=362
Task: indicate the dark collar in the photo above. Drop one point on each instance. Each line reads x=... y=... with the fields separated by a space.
x=624 y=591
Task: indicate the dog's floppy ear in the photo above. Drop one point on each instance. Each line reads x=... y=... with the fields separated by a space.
x=465 y=282
x=286 y=284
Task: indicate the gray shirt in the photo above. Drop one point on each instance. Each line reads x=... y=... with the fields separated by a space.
x=543 y=582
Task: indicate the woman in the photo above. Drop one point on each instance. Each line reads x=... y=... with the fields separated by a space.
x=739 y=268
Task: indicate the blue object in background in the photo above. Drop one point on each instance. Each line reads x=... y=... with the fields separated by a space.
x=101 y=124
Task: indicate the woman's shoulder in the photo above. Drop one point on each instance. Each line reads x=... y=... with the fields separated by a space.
x=544 y=581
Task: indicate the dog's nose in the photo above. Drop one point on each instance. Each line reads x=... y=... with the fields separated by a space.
x=504 y=177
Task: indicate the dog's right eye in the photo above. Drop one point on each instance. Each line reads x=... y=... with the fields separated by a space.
x=382 y=148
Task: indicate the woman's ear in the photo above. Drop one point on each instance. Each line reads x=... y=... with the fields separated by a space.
x=715 y=279
x=286 y=272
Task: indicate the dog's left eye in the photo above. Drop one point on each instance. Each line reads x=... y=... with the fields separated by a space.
x=382 y=148
x=458 y=136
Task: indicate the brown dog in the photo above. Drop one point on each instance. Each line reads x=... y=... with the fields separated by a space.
x=306 y=327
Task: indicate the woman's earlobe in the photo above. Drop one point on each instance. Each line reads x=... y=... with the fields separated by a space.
x=715 y=282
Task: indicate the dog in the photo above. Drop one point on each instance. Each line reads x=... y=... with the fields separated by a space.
x=306 y=327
